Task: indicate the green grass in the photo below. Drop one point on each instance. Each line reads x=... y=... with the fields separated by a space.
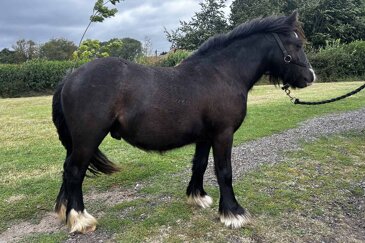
x=31 y=159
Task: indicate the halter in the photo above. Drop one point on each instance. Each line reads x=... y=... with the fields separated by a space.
x=287 y=57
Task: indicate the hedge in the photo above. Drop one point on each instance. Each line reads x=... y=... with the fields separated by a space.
x=42 y=76
x=340 y=62
x=36 y=76
x=336 y=62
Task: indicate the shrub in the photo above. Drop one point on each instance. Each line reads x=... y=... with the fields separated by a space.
x=340 y=61
x=171 y=59
x=150 y=60
x=33 y=76
x=174 y=58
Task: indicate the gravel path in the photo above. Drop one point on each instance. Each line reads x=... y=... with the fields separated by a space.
x=271 y=149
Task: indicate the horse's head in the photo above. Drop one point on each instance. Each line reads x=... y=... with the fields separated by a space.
x=288 y=60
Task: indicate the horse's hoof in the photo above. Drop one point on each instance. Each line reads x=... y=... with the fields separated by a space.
x=81 y=222
x=201 y=201
x=61 y=212
x=236 y=221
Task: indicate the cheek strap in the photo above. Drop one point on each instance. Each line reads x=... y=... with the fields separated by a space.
x=287 y=57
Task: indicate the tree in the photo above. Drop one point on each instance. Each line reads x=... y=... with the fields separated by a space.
x=57 y=49
x=204 y=24
x=244 y=10
x=323 y=20
x=7 y=56
x=25 y=50
x=89 y=49
x=330 y=20
x=126 y=48
x=102 y=12
x=147 y=46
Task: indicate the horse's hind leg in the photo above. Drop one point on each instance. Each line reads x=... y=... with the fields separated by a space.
x=61 y=201
x=70 y=200
x=78 y=220
x=195 y=191
x=231 y=213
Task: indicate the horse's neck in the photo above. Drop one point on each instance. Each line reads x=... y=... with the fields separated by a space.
x=244 y=61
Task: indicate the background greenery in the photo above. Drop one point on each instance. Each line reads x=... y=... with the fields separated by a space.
x=336 y=62
x=335 y=32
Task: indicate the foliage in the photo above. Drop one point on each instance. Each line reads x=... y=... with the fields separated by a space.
x=126 y=48
x=7 y=56
x=147 y=46
x=173 y=58
x=204 y=24
x=330 y=20
x=88 y=50
x=57 y=49
x=32 y=76
x=340 y=61
x=170 y=59
x=101 y=12
x=25 y=50
x=244 y=10
x=323 y=20
x=336 y=62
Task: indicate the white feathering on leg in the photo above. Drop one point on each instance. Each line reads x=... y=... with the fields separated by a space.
x=201 y=201
x=61 y=213
x=81 y=222
x=236 y=221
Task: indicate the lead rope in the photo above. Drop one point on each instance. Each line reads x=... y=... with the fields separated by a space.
x=296 y=101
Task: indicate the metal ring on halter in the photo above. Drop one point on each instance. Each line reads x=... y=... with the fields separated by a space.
x=287 y=59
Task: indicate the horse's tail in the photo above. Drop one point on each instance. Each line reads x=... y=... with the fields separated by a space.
x=59 y=120
x=99 y=162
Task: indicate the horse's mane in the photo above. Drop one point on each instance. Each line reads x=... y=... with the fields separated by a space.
x=270 y=24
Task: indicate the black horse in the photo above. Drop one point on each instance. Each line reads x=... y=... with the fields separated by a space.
x=203 y=101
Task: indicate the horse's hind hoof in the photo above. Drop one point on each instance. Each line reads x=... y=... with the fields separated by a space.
x=201 y=201
x=81 y=222
x=236 y=221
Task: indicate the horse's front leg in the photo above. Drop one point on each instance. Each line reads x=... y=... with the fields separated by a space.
x=195 y=191
x=231 y=213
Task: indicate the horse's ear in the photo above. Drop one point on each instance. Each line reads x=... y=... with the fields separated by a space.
x=293 y=18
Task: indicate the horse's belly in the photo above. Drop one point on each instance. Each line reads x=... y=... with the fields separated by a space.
x=158 y=135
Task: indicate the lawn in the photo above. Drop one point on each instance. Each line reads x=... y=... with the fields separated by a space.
x=31 y=159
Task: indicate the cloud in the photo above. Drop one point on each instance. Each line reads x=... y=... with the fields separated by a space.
x=41 y=20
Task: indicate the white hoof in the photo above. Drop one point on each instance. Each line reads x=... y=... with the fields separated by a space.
x=236 y=221
x=201 y=201
x=61 y=213
x=81 y=222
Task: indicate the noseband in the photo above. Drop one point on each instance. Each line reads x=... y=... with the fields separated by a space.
x=287 y=57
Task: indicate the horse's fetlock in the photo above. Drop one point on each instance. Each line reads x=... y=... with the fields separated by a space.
x=81 y=222
x=234 y=220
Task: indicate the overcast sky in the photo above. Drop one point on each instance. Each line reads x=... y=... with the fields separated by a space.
x=41 y=20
